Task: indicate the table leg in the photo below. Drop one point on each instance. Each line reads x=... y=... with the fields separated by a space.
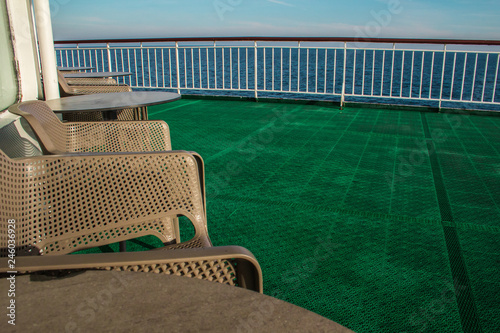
x=110 y=115
x=123 y=246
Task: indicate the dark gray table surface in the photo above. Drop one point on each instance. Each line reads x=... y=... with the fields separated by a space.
x=111 y=102
x=110 y=301
x=81 y=68
x=94 y=75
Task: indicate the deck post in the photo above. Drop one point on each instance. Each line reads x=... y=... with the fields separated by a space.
x=442 y=78
x=298 y=66
x=109 y=57
x=78 y=54
x=177 y=66
x=255 y=69
x=46 y=48
x=215 y=67
x=342 y=97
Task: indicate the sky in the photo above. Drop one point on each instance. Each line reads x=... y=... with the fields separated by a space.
x=100 y=19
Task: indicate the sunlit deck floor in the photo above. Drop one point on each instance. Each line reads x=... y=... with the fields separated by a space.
x=370 y=217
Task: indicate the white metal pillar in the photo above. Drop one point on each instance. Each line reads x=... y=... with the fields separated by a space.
x=46 y=45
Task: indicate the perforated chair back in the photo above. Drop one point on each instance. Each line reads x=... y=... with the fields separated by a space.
x=91 y=81
x=58 y=137
x=65 y=203
x=51 y=131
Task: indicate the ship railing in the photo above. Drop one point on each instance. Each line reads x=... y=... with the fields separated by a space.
x=431 y=72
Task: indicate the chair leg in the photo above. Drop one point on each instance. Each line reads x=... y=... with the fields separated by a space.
x=177 y=230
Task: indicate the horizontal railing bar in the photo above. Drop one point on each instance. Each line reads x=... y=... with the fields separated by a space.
x=277 y=47
x=287 y=39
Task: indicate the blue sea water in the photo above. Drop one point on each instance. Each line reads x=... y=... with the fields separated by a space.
x=467 y=76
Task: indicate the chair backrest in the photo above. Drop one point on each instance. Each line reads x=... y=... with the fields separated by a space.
x=52 y=133
x=18 y=140
x=58 y=137
x=64 y=87
x=67 y=90
x=61 y=204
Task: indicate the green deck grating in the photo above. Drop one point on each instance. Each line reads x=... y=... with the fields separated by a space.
x=380 y=220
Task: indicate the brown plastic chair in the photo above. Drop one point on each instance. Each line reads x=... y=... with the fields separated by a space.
x=72 y=90
x=124 y=136
x=67 y=90
x=60 y=204
x=56 y=137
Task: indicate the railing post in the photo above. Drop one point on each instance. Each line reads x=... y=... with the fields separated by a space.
x=496 y=78
x=177 y=67
x=392 y=67
x=255 y=69
x=109 y=57
x=78 y=54
x=442 y=78
x=342 y=97
x=215 y=65
x=298 y=66
x=142 y=66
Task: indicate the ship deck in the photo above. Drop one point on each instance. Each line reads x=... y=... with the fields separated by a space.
x=379 y=219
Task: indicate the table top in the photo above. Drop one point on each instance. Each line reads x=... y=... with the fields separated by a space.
x=112 y=101
x=95 y=75
x=106 y=301
x=64 y=69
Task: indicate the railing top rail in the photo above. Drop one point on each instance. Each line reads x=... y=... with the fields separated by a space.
x=286 y=39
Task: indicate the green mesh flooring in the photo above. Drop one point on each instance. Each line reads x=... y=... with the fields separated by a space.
x=381 y=220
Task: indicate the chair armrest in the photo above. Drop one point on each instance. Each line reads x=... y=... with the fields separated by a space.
x=201 y=170
x=233 y=265
x=123 y=136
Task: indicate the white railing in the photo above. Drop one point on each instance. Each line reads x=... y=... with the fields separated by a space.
x=416 y=75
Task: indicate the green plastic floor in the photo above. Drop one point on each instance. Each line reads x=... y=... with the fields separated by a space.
x=381 y=220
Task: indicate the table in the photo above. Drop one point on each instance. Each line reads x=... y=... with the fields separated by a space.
x=112 y=102
x=110 y=301
x=72 y=69
x=94 y=75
